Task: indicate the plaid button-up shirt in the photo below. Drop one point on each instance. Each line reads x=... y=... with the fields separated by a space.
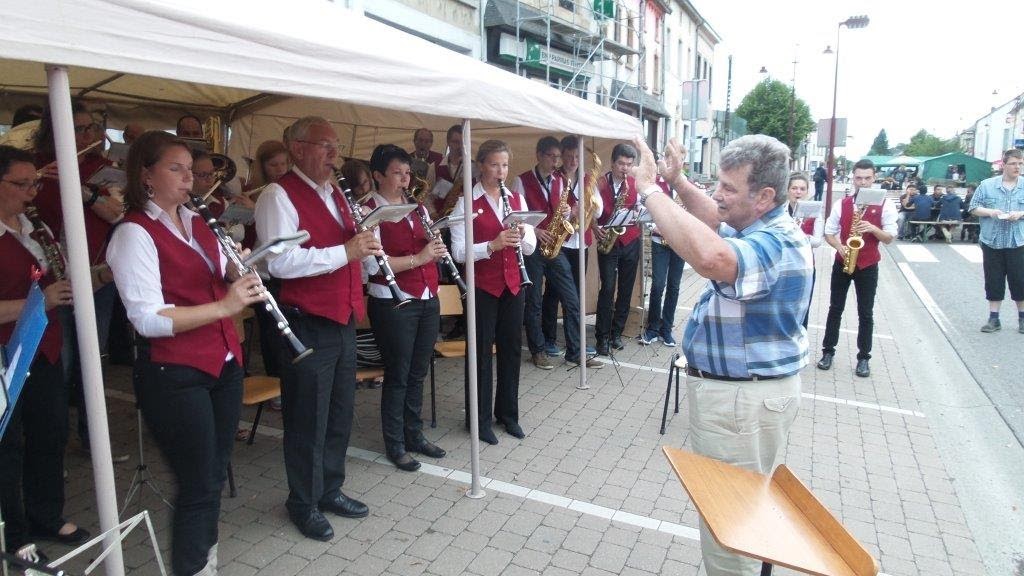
x=755 y=326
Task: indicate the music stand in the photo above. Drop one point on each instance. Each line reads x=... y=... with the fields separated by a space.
x=775 y=520
x=142 y=476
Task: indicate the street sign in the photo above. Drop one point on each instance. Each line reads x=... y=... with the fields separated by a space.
x=824 y=126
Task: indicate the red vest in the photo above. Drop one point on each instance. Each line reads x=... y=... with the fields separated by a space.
x=534 y=193
x=443 y=172
x=186 y=280
x=604 y=186
x=336 y=295
x=48 y=202
x=15 y=280
x=808 y=226
x=501 y=270
x=402 y=240
x=869 y=254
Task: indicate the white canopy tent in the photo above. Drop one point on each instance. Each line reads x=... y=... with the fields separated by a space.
x=258 y=66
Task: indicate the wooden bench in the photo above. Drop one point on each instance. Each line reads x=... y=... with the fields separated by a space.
x=924 y=227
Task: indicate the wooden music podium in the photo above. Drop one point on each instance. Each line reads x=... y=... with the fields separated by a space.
x=776 y=520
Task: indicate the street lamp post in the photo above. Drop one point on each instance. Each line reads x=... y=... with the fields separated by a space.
x=792 y=110
x=852 y=22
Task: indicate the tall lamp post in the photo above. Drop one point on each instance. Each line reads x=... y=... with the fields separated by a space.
x=852 y=22
x=792 y=109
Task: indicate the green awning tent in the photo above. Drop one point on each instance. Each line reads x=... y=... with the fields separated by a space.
x=937 y=167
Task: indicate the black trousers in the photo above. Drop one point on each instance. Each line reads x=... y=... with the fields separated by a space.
x=1003 y=266
x=549 y=306
x=317 y=398
x=32 y=456
x=618 y=267
x=557 y=274
x=498 y=321
x=406 y=339
x=271 y=341
x=865 y=284
x=193 y=416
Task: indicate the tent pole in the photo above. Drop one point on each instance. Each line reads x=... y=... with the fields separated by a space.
x=581 y=182
x=475 y=490
x=85 y=312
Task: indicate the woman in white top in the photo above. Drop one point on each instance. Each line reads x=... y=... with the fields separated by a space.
x=812 y=227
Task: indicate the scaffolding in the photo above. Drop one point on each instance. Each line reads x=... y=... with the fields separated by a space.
x=605 y=38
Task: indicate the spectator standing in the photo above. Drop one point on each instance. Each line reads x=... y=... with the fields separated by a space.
x=999 y=206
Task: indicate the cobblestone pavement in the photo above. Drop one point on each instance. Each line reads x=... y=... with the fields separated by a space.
x=588 y=491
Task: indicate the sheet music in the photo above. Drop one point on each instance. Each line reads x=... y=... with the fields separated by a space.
x=870 y=197
x=807 y=209
x=389 y=213
x=524 y=217
x=624 y=217
x=109 y=177
x=236 y=213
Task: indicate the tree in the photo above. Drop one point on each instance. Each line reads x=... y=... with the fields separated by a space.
x=767 y=111
x=880 y=147
x=925 y=144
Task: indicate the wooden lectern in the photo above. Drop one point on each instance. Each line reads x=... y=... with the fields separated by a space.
x=776 y=520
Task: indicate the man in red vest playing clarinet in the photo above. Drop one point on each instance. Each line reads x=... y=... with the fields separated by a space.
x=322 y=295
x=877 y=225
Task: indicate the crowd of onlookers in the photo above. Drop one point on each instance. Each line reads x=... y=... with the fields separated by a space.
x=944 y=207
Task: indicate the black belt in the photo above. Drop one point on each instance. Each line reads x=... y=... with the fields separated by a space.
x=690 y=370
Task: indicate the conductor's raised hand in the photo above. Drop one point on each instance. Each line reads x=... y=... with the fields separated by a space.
x=362 y=245
x=646 y=171
x=673 y=162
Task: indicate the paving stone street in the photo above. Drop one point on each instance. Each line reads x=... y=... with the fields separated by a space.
x=588 y=491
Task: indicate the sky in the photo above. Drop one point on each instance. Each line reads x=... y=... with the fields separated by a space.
x=916 y=65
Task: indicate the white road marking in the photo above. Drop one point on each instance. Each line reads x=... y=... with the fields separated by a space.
x=970 y=252
x=830 y=399
x=916 y=253
x=937 y=314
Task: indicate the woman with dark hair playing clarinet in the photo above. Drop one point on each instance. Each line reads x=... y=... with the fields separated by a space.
x=499 y=294
x=174 y=281
x=405 y=334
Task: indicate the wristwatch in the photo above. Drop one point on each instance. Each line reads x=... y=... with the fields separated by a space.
x=647 y=191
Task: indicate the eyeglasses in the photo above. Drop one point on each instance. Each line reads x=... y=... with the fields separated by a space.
x=93 y=126
x=24 y=186
x=328 y=146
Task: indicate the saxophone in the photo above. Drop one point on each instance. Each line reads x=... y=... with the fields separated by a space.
x=51 y=249
x=455 y=194
x=854 y=242
x=560 y=227
x=590 y=191
x=605 y=244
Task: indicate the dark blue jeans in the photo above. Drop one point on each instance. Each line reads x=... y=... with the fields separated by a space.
x=666 y=272
x=557 y=274
x=193 y=416
x=406 y=339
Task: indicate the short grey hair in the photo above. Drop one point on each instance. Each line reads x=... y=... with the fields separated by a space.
x=300 y=129
x=768 y=160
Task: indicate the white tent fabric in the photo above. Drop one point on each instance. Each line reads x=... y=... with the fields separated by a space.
x=220 y=54
x=259 y=64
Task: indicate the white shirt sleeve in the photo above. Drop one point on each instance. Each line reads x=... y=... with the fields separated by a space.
x=832 y=223
x=133 y=260
x=276 y=216
x=458 y=229
x=889 y=218
x=816 y=234
x=529 y=242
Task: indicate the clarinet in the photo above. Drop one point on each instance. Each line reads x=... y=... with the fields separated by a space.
x=519 y=249
x=51 y=248
x=429 y=233
x=227 y=245
x=382 y=261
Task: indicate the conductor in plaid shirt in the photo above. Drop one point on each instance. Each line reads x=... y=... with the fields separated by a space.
x=745 y=342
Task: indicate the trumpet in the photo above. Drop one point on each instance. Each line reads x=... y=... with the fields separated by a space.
x=414 y=194
x=227 y=246
x=519 y=249
x=382 y=261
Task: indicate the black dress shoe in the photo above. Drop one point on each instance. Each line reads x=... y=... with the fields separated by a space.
x=826 y=361
x=404 y=462
x=314 y=526
x=79 y=535
x=487 y=435
x=344 y=506
x=863 y=370
x=514 y=429
x=602 y=348
x=426 y=448
x=617 y=343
